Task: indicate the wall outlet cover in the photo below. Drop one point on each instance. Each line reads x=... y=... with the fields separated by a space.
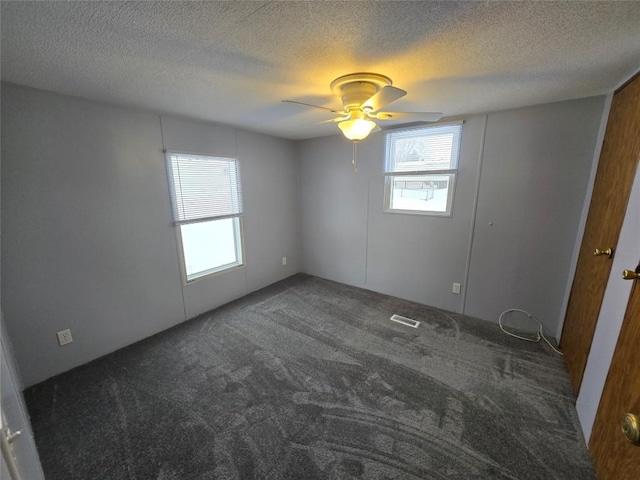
x=64 y=337
x=284 y=261
x=456 y=288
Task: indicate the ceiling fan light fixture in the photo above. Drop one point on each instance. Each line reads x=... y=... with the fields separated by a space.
x=357 y=128
x=363 y=96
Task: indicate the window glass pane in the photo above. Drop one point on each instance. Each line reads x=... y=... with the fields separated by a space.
x=210 y=245
x=420 y=193
x=411 y=154
x=420 y=149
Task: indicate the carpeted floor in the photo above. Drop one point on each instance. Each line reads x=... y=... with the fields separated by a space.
x=308 y=379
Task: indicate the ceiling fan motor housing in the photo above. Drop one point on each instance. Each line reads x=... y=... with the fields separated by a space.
x=355 y=94
x=357 y=88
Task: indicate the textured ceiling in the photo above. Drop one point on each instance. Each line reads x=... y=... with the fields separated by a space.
x=234 y=61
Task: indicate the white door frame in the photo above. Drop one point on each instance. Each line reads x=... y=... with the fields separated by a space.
x=19 y=455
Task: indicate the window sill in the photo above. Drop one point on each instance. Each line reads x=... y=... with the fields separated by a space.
x=418 y=213
x=213 y=273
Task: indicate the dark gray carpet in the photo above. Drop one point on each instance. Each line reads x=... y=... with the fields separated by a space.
x=308 y=379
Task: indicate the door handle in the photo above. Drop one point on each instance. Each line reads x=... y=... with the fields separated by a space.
x=630 y=275
x=631 y=428
x=11 y=437
x=6 y=439
x=608 y=252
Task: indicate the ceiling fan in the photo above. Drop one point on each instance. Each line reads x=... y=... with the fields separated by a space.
x=363 y=96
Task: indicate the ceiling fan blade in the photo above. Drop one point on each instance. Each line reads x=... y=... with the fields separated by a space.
x=415 y=116
x=383 y=97
x=339 y=112
x=331 y=120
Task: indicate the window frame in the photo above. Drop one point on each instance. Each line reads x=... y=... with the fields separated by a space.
x=391 y=176
x=238 y=230
x=239 y=245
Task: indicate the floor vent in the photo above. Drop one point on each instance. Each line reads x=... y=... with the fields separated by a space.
x=409 y=322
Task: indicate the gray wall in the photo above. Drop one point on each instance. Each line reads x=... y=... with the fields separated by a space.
x=16 y=415
x=535 y=170
x=528 y=171
x=269 y=176
x=88 y=241
x=347 y=237
x=419 y=257
x=87 y=235
x=333 y=207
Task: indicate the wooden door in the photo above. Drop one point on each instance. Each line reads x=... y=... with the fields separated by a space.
x=616 y=458
x=614 y=178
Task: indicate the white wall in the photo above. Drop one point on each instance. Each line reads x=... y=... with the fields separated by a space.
x=611 y=314
x=87 y=235
x=535 y=166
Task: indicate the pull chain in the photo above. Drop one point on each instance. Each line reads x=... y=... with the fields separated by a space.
x=354 y=160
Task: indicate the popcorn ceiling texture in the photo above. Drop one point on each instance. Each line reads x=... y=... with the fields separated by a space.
x=232 y=62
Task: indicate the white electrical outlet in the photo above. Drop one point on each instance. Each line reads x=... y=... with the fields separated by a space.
x=456 y=288
x=64 y=337
x=284 y=261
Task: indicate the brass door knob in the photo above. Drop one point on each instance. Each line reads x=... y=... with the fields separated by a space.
x=607 y=252
x=631 y=427
x=630 y=275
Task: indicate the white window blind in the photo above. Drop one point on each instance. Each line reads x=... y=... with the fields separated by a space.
x=423 y=149
x=203 y=187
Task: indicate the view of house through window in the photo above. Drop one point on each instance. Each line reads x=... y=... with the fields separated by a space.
x=206 y=199
x=421 y=166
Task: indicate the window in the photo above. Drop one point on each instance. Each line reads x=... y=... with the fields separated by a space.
x=206 y=198
x=420 y=170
